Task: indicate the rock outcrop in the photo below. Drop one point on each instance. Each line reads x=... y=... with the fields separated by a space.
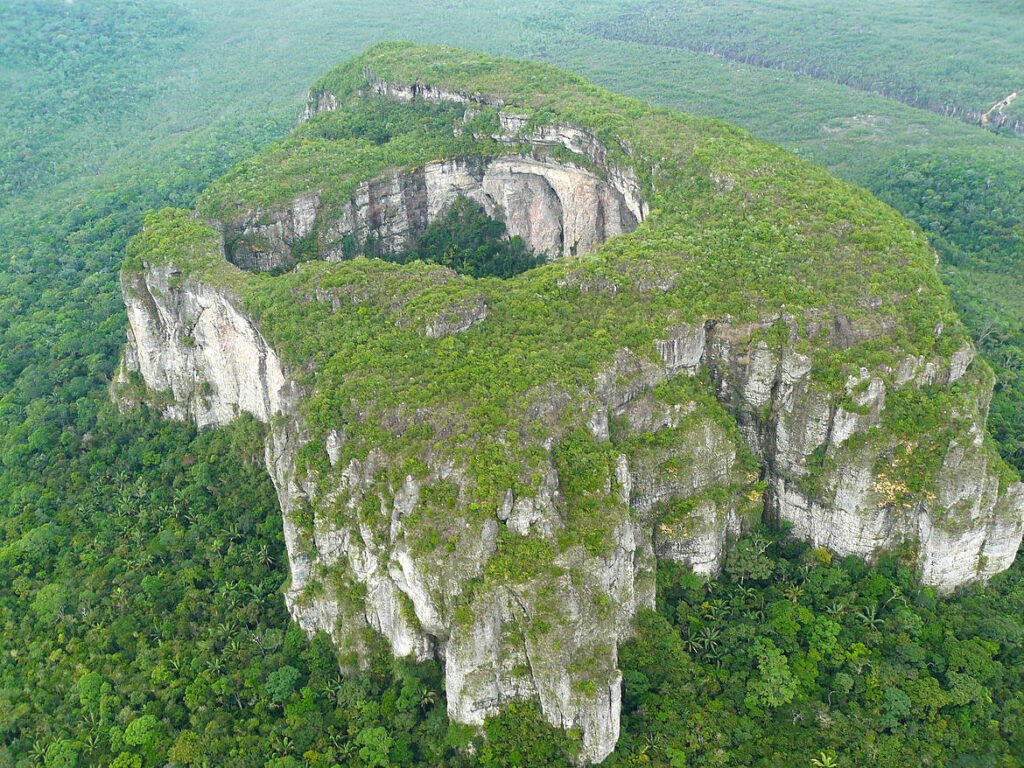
x=512 y=641
x=558 y=209
x=478 y=488
x=549 y=632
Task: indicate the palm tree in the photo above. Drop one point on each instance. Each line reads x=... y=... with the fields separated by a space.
x=754 y=614
x=869 y=617
x=691 y=644
x=736 y=603
x=708 y=583
x=428 y=698
x=709 y=638
x=715 y=655
x=897 y=594
x=344 y=748
x=38 y=752
x=283 y=744
x=836 y=611
x=714 y=609
x=231 y=532
x=91 y=743
x=824 y=760
x=751 y=597
x=264 y=556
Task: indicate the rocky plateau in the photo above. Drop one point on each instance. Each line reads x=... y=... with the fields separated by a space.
x=526 y=591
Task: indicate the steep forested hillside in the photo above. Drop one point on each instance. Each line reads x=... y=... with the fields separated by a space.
x=937 y=56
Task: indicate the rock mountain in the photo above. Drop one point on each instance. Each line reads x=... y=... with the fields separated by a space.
x=488 y=471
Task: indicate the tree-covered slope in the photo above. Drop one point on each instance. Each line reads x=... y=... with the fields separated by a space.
x=760 y=228
x=737 y=228
x=930 y=55
x=890 y=122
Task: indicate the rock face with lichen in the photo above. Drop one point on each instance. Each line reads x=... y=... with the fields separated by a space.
x=487 y=472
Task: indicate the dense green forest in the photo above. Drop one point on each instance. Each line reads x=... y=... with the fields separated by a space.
x=798 y=659
x=940 y=56
x=141 y=562
x=472 y=243
x=143 y=623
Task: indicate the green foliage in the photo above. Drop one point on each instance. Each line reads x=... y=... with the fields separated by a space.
x=171 y=236
x=89 y=60
x=778 y=228
x=840 y=100
x=375 y=744
x=205 y=668
x=860 y=664
x=896 y=708
x=470 y=242
x=61 y=754
x=89 y=688
x=519 y=558
x=281 y=683
x=748 y=559
x=583 y=465
x=775 y=686
x=142 y=731
x=114 y=108
x=519 y=738
x=907 y=53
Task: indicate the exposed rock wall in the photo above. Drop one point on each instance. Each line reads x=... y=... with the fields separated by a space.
x=552 y=635
x=528 y=595
x=262 y=241
x=192 y=343
x=557 y=209
x=530 y=637
x=965 y=530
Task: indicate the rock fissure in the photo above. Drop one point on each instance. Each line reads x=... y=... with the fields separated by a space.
x=559 y=209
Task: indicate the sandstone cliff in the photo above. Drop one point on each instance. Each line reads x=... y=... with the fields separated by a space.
x=486 y=472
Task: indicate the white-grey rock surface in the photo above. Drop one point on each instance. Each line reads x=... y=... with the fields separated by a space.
x=194 y=344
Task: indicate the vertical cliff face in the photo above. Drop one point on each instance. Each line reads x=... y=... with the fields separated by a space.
x=486 y=472
x=833 y=461
x=196 y=345
x=510 y=616
x=558 y=209
x=551 y=631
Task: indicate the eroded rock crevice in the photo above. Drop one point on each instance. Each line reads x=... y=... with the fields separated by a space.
x=558 y=209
